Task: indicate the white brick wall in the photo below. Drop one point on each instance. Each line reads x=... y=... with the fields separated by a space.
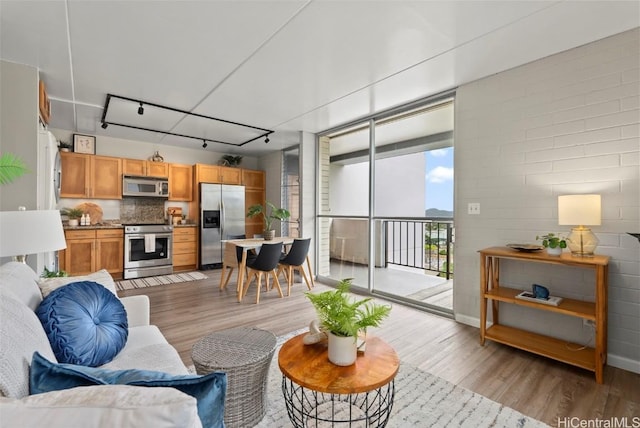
x=564 y=124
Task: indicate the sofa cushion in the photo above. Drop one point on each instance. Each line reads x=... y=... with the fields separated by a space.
x=209 y=390
x=101 y=406
x=22 y=281
x=85 y=323
x=102 y=277
x=21 y=334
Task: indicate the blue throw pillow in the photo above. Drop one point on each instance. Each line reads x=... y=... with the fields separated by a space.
x=85 y=323
x=208 y=390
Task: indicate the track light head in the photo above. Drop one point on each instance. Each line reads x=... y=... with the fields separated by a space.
x=266 y=140
x=140 y=109
x=204 y=144
x=104 y=125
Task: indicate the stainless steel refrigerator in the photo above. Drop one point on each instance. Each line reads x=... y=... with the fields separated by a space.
x=221 y=214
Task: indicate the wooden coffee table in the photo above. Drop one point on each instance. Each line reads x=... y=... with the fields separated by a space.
x=319 y=393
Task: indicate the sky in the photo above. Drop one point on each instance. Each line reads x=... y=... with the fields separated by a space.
x=439 y=179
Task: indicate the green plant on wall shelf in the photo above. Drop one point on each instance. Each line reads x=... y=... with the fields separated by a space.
x=11 y=168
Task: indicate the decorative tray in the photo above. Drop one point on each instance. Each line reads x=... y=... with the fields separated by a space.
x=527 y=248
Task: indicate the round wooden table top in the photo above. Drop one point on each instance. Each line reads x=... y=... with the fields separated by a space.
x=309 y=367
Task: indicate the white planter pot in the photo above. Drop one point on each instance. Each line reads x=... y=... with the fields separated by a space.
x=342 y=350
x=554 y=251
x=73 y=222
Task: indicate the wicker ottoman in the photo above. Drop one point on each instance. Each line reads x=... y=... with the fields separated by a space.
x=245 y=354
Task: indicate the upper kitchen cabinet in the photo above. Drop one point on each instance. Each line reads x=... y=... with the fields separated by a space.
x=90 y=176
x=217 y=174
x=180 y=182
x=253 y=179
x=145 y=168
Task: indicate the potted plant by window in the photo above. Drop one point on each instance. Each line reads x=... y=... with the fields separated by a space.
x=553 y=243
x=74 y=215
x=272 y=214
x=343 y=318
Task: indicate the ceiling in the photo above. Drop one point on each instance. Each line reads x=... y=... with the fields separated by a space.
x=285 y=66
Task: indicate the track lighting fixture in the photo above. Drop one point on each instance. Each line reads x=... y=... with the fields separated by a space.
x=204 y=144
x=266 y=140
x=104 y=125
x=141 y=109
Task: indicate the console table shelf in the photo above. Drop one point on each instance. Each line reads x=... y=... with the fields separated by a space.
x=492 y=293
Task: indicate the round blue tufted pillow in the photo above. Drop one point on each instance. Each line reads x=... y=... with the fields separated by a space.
x=85 y=323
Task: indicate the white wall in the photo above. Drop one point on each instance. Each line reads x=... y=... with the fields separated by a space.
x=564 y=124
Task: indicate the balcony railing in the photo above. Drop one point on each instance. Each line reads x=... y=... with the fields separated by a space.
x=422 y=243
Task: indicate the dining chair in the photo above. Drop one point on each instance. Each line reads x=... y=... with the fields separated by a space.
x=265 y=264
x=230 y=263
x=294 y=260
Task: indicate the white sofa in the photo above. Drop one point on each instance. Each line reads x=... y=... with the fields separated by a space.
x=21 y=334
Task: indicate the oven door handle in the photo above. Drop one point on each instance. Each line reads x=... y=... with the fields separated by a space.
x=142 y=235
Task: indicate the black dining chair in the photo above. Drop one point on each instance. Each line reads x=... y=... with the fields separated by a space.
x=226 y=264
x=266 y=263
x=294 y=260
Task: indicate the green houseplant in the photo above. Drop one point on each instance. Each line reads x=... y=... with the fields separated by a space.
x=269 y=213
x=11 y=168
x=553 y=243
x=343 y=318
x=74 y=215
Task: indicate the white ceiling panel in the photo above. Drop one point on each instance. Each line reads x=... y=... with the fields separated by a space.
x=289 y=66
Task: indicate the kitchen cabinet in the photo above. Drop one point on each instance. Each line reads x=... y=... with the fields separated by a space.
x=90 y=176
x=217 y=174
x=180 y=182
x=254 y=193
x=91 y=250
x=144 y=168
x=185 y=242
x=493 y=290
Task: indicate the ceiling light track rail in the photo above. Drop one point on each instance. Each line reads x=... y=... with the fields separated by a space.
x=264 y=133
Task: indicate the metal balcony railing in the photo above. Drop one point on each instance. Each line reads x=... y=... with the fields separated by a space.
x=422 y=243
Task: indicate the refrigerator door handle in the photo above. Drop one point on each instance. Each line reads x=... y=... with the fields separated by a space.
x=222 y=236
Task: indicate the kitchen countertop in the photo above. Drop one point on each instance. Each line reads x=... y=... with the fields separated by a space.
x=114 y=226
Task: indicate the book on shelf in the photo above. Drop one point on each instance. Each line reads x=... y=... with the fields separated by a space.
x=528 y=295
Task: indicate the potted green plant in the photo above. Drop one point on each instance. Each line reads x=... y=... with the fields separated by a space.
x=269 y=213
x=11 y=167
x=230 y=160
x=553 y=243
x=53 y=274
x=74 y=215
x=63 y=146
x=343 y=317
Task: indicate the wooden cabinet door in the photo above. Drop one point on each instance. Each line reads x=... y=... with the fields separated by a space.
x=207 y=173
x=133 y=167
x=253 y=225
x=75 y=179
x=157 y=169
x=110 y=255
x=180 y=182
x=230 y=175
x=106 y=177
x=79 y=257
x=253 y=179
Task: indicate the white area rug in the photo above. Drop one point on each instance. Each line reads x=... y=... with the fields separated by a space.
x=151 y=281
x=421 y=400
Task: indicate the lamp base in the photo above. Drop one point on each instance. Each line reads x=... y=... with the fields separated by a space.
x=582 y=242
x=20 y=259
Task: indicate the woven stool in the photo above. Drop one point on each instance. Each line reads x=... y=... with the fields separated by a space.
x=245 y=354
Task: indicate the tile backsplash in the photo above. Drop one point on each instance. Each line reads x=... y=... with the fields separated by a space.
x=142 y=210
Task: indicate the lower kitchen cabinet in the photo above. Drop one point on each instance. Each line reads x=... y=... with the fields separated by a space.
x=185 y=243
x=92 y=250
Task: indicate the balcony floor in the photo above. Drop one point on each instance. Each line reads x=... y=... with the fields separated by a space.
x=410 y=283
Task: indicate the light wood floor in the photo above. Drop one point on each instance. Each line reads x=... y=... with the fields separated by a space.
x=536 y=386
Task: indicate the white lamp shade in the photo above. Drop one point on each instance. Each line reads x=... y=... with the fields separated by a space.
x=583 y=210
x=30 y=232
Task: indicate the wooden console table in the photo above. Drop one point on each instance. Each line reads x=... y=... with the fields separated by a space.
x=319 y=393
x=592 y=359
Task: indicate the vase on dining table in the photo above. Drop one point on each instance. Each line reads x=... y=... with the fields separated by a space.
x=268 y=235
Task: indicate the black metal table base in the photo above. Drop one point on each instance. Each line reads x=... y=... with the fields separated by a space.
x=311 y=409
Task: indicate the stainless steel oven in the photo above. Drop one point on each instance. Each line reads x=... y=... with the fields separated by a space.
x=147 y=250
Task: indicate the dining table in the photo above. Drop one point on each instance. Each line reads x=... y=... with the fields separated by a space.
x=230 y=257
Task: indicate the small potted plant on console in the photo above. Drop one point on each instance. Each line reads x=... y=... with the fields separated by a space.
x=553 y=243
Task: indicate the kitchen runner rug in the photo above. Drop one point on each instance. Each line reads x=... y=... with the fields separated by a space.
x=421 y=400
x=151 y=281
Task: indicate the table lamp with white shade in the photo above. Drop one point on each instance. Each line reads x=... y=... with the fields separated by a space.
x=30 y=232
x=580 y=211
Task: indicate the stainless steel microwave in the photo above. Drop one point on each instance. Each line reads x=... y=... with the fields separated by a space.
x=154 y=187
